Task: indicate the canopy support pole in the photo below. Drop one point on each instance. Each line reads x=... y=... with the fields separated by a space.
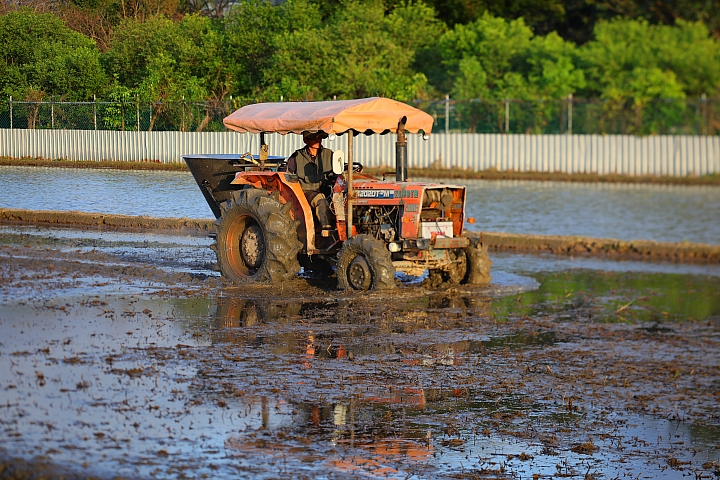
x=263 y=151
x=401 y=152
x=350 y=192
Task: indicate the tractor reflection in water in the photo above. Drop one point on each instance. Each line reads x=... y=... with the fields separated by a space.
x=360 y=437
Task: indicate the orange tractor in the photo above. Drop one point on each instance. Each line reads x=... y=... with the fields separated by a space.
x=265 y=229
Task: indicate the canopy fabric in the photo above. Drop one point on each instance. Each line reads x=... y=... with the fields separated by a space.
x=364 y=115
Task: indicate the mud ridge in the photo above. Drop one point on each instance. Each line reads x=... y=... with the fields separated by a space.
x=684 y=252
x=74 y=219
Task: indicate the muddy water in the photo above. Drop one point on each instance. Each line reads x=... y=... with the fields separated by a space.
x=123 y=354
x=626 y=212
x=141 y=386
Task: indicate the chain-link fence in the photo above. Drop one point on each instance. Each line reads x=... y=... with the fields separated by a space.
x=104 y=115
x=665 y=117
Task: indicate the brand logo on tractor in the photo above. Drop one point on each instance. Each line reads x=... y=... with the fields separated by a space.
x=407 y=194
x=375 y=194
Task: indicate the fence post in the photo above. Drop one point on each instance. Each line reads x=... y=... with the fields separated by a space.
x=95 y=112
x=507 y=115
x=11 y=125
x=704 y=120
x=52 y=114
x=447 y=114
x=137 y=110
x=570 y=106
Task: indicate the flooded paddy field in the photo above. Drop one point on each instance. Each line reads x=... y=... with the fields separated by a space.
x=663 y=213
x=125 y=355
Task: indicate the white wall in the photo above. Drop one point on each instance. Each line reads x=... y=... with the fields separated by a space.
x=603 y=154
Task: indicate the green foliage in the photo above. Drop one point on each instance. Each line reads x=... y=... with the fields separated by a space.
x=551 y=64
x=626 y=297
x=253 y=32
x=621 y=46
x=42 y=56
x=495 y=59
x=636 y=74
x=168 y=62
x=493 y=42
x=359 y=52
x=116 y=112
x=631 y=63
x=370 y=57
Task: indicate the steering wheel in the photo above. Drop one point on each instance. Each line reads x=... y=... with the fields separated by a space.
x=357 y=167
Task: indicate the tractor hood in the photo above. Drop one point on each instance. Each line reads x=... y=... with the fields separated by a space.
x=364 y=115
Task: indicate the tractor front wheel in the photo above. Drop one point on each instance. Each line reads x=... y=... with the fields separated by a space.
x=256 y=239
x=469 y=265
x=365 y=264
x=478 y=263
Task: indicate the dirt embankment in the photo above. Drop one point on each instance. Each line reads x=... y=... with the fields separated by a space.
x=562 y=245
x=637 y=249
x=456 y=173
x=74 y=219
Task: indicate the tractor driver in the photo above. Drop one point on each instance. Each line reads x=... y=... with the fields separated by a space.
x=313 y=166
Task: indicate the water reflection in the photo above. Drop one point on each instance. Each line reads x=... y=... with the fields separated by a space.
x=242 y=313
x=399 y=430
x=616 y=297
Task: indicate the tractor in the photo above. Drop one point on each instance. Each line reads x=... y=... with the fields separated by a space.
x=265 y=230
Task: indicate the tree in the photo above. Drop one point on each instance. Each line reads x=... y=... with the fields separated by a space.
x=359 y=51
x=664 y=12
x=621 y=46
x=574 y=20
x=210 y=8
x=252 y=32
x=168 y=62
x=42 y=56
x=495 y=59
x=494 y=43
x=551 y=67
x=118 y=10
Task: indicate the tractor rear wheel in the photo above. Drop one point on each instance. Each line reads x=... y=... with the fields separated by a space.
x=365 y=264
x=256 y=239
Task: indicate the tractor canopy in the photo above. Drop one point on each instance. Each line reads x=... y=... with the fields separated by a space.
x=364 y=115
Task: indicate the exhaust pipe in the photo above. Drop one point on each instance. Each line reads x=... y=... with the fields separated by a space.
x=401 y=152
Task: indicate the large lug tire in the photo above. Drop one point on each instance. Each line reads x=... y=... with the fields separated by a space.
x=364 y=263
x=478 y=263
x=470 y=265
x=452 y=274
x=256 y=239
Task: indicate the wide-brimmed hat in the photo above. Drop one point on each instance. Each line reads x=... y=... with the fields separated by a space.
x=309 y=136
